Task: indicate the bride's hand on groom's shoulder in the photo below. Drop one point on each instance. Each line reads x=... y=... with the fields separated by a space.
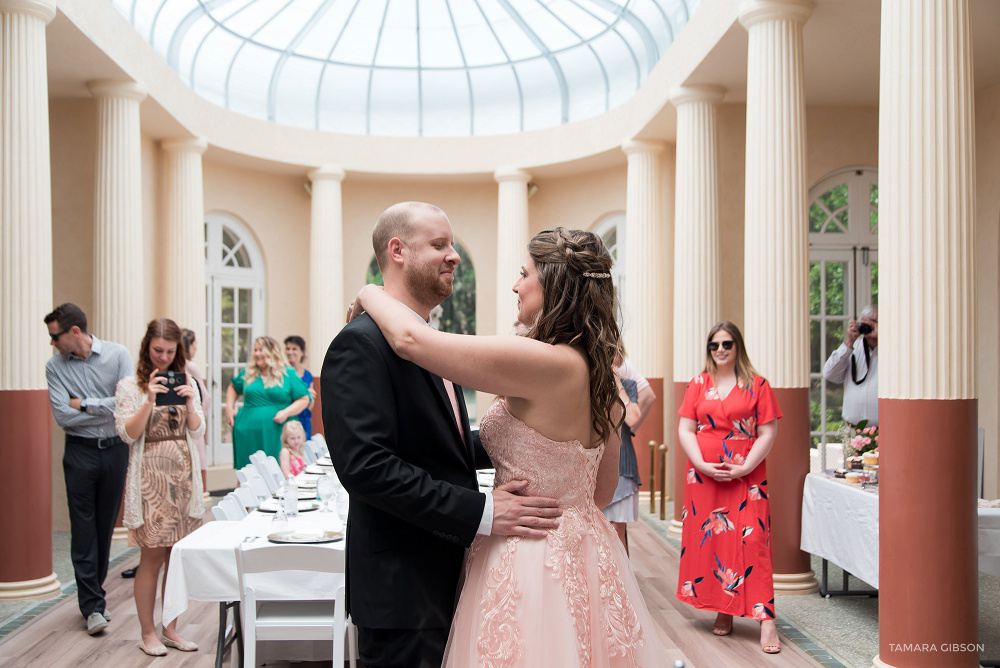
x=357 y=306
x=516 y=515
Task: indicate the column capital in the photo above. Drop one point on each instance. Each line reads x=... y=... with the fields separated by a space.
x=43 y=9
x=633 y=146
x=327 y=173
x=680 y=95
x=111 y=88
x=503 y=174
x=758 y=11
x=184 y=145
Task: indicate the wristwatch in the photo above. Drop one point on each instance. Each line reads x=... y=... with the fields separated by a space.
x=83 y=405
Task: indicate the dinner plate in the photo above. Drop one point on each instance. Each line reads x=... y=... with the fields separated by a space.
x=310 y=483
x=313 y=469
x=272 y=506
x=304 y=494
x=305 y=537
x=325 y=461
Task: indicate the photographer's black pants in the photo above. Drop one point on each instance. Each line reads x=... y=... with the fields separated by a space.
x=95 y=478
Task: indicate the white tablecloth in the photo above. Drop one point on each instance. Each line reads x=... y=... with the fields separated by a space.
x=203 y=563
x=840 y=524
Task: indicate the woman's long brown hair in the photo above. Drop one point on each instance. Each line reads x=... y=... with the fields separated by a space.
x=162 y=328
x=578 y=308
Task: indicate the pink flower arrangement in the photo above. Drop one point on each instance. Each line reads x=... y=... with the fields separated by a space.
x=861 y=438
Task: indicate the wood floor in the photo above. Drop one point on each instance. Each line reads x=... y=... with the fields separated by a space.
x=58 y=638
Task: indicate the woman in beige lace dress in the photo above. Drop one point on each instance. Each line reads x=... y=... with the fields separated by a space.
x=163 y=489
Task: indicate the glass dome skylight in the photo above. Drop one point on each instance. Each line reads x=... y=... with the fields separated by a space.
x=412 y=67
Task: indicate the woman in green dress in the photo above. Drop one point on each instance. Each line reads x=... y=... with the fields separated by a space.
x=272 y=393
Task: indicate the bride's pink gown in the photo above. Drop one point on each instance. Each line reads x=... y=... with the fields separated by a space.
x=567 y=600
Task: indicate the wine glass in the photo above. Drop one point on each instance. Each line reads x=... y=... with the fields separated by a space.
x=326 y=488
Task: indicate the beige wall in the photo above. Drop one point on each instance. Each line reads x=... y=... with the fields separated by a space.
x=731 y=128
x=276 y=209
x=988 y=278
x=73 y=151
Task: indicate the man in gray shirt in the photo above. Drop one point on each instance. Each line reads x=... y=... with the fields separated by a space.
x=855 y=365
x=82 y=379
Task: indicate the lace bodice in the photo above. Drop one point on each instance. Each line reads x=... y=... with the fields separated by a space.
x=563 y=470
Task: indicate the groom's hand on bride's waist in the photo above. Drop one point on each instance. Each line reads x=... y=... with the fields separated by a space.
x=516 y=515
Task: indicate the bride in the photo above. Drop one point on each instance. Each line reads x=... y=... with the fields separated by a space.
x=569 y=599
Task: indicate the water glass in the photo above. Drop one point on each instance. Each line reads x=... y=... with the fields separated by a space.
x=327 y=489
x=279 y=522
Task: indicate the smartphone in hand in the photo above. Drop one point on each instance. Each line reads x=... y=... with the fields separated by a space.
x=173 y=380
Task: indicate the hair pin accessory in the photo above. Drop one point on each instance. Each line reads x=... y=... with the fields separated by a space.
x=595 y=274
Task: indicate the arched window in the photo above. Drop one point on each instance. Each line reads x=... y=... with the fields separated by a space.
x=843 y=279
x=234 y=279
x=457 y=313
x=611 y=229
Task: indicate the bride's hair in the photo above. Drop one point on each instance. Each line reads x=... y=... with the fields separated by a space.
x=579 y=308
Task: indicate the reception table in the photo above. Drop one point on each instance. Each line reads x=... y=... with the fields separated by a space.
x=840 y=524
x=203 y=568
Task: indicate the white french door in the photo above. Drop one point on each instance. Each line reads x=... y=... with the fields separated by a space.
x=843 y=279
x=235 y=303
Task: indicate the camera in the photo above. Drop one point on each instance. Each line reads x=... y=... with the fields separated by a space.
x=865 y=329
x=172 y=380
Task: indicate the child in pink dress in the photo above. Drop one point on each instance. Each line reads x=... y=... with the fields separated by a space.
x=293 y=441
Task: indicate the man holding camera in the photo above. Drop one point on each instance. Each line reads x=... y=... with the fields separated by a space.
x=82 y=380
x=855 y=365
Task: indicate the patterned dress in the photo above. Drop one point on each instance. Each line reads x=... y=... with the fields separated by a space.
x=568 y=600
x=726 y=563
x=166 y=481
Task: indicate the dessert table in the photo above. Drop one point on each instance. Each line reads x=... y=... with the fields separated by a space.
x=840 y=524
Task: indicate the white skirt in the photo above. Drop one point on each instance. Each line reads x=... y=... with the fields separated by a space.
x=626 y=509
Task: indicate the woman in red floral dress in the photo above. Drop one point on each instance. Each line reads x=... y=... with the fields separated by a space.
x=728 y=424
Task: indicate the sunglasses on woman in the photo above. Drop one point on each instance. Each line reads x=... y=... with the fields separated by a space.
x=714 y=345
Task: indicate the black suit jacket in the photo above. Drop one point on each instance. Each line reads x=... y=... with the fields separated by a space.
x=415 y=500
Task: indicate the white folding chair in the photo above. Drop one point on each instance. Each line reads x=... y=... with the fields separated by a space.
x=257 y=457
x=241 y=476
x=236 y=502
x=316 y=449
x=220 y=514
x=323 y=619
x=320 y=441
x=259 y=487
x=310 y=454
x=267 y=477
x=246 y=496
x=274 y=468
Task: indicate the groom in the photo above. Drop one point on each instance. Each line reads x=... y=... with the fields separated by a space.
x=400 y=441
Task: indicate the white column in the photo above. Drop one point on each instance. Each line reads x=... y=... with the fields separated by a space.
x=25 y=194
x=119 y=267
x=184 y=222
x=645 y=333
x=696 y=227
x=776 y=262
x=326 y=261
x=512 y=240
x=928 y=358
x=776 y=247
x=25 y=297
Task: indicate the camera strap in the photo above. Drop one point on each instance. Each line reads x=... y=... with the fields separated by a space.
x=854 y=364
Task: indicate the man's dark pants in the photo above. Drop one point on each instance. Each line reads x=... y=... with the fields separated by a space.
x=401 y=648
x=95 y=477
